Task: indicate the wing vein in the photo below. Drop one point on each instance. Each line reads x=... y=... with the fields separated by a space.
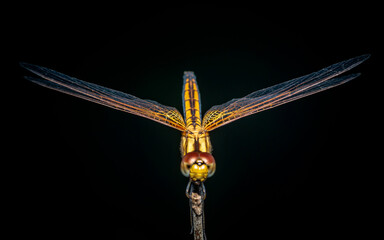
x=279 y=94
x=105 y=96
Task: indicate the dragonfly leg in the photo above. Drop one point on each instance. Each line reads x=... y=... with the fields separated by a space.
x=188 y=189
x=188 y=193
x=204 y=193
x=190 y=215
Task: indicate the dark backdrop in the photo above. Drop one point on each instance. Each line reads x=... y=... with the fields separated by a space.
x=83 y=171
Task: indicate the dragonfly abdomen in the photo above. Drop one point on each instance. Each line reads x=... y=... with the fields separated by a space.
x=191 y=100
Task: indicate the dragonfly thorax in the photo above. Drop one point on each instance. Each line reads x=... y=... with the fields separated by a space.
x=195 y=139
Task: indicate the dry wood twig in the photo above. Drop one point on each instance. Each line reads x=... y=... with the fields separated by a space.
x=196 y=198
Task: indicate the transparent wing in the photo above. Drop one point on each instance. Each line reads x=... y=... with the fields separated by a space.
x=169 y=116
x=276 y=95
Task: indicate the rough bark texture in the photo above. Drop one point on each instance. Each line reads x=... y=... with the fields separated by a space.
x=197 y=211
x=197 y=216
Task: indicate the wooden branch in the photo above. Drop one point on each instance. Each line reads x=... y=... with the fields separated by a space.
x=197 y=210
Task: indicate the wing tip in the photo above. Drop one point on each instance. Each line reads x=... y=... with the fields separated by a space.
x=28 y=66
x=189 y=74
x=347 y=78
x=363 y=57
x=29 y=78
x=32 y=68
x=24 y=65
x=355 y=75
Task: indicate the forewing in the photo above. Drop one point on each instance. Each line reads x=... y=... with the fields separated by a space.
x=279 y=94
x=169 y=116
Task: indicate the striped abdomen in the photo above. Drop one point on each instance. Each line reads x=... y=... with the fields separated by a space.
x=191 y=101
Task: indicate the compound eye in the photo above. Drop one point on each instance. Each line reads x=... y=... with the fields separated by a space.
x=187 y=162
x=190 y=158
x=207 y=158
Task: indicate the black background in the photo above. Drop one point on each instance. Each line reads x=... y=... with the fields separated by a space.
x=83 y=171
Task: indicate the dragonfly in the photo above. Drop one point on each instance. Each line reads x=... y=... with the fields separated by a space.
x=197 y=162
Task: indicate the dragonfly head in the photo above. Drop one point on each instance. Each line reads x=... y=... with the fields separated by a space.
x=198 y=166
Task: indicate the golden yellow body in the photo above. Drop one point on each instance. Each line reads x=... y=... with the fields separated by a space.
x=194 y=139
x=198 y=171
x=195 y=145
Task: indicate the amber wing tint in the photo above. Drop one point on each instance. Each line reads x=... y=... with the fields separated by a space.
x=279 y=94
x=169 y=116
